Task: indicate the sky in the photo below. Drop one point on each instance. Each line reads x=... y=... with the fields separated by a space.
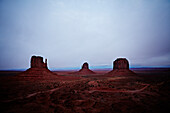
x=70 y=32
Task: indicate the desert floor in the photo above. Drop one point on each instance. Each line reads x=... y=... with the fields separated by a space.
x=146 y=92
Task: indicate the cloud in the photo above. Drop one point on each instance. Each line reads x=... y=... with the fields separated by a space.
x=69 y=32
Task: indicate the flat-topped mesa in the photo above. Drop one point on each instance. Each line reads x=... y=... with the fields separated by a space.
x=120 y=68
x=38 y=70
x=121 y=63
x=37 y=62
x=85 y=66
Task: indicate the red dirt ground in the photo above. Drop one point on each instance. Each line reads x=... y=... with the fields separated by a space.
x=145 y=92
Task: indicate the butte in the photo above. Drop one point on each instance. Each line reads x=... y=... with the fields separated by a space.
x=120 y=68
x=84 y=70
x=38 y=70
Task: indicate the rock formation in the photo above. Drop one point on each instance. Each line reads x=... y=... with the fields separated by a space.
x=121 y=63
x=38 y=70
x=85 y=66
x=37 y=62
x=120 y=68
x=84 y=70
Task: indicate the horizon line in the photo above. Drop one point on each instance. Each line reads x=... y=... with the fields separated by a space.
x=92 y=67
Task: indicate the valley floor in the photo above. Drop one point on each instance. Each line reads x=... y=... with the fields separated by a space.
x=147 y=92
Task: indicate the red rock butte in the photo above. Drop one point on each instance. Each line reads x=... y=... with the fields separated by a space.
x=120 y=68
x=121 y=63
x=37 y=62
x=85 y=66
x=84 y=70
x=38 y=70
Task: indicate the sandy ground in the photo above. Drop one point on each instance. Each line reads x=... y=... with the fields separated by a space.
x=146 y=92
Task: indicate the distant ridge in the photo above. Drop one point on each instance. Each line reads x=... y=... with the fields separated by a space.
x=13 y=70
x=107 y=67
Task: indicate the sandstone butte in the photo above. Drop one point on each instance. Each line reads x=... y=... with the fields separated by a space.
x=84 y=70
x=120 y=68
x=38 y=70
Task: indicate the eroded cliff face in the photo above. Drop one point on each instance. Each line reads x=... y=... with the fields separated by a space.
x=37 y=62
x=38 y=70
x=120 y=68
x=84 y=70
x=85 y=66
x=121 y=63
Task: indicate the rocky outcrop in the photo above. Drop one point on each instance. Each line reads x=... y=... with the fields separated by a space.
x=38 y=70
x=120 y=68
x=37 y=62
x=121 y=63
x=85 y=66
x=84 y=70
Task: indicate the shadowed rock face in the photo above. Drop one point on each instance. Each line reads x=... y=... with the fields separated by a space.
x=121 y=63
x=120 y=68
x=85 y=66
x=38 y=70
x=84 y=70
x=37 y=62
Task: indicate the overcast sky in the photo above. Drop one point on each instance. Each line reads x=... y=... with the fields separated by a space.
x=70 y=32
